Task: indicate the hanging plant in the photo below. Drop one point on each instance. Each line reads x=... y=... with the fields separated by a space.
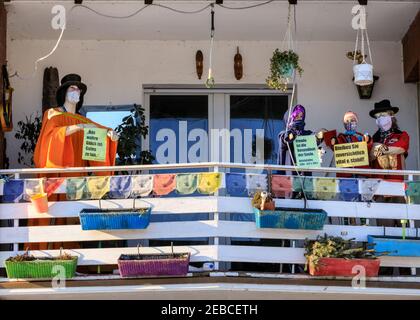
x=282 y=66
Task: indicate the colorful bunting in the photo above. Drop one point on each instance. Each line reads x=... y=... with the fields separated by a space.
x=142 y=185
x=256 y=182
x=97 y=187
x=186 y=183
x=120 y=187
x=52 y=184
x=349 y=189
x=13 y=190
x=305 y=184
x=412 y=191
x=33 y=187
x=209 y=183
x=236 y=184
x=368 y=188
x=325 y=188
x=76 y=189
x=164 y=184
x=281 y=186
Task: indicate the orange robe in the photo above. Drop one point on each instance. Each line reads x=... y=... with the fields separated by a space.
x=56 y=150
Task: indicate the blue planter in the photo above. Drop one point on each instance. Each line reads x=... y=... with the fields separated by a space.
x=113 y=219
x=409 y=247
x=291 y=218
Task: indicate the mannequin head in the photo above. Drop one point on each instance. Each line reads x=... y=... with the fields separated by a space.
x=350 y=122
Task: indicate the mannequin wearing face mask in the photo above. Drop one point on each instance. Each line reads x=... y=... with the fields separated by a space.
x=390 y=144
x=350 y=135
x=61 y=139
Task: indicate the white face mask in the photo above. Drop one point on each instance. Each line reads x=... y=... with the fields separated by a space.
x=384 y=123
x=73 y=96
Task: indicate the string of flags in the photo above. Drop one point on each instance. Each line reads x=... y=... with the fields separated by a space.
x=206 y=183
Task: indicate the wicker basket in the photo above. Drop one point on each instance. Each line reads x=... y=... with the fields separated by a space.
x=290 y=218
x=41 y=268
x=114 y=219
x=158 y=264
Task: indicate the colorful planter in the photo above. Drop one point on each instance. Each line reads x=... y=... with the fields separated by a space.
x=112 y=219
x=290 y=218
x=135 y=265
x=42 y=268
x=396 y=246
x=344 y=267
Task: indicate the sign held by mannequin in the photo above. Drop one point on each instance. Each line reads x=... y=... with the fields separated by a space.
x=94 y=144
x=351 y=155
x=306 y=151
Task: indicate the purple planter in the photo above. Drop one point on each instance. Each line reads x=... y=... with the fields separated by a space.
x=134 y=265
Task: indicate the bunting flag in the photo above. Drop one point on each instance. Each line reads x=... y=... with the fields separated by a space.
x=349 y=189
x=120 y=187
x=76 y=189
x=209 y=183
x=236 y=184
x=256 y=182
x=97 y=187
x=412 y=191
x=142 y=185
x=164 y=184
x=33 y=187
x=281 y=186
x=325 y=188
x=368 y=188
x=186 y=183
x=303 y=184
x=13 y=190
x=52 y=184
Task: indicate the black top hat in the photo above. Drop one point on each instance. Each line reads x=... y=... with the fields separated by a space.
x=383 y=106
x=71 y=79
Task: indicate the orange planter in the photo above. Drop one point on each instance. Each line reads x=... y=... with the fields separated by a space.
x=40 y=202
x=344 y=267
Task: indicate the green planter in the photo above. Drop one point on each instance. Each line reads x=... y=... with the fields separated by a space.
x=41 y=268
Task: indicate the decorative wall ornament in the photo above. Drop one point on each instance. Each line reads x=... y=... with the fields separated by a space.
x=238 y=66
x=199 y=63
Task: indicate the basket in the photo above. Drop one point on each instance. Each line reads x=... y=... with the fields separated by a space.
x=41 y=268
x=396 y=246
x=290 y=218
x=156 y=264
x=114 y=219
x=344 y=267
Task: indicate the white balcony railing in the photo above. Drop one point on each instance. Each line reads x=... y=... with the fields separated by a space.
x=218 y=230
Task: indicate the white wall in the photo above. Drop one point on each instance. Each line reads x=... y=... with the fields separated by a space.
x=115 y=71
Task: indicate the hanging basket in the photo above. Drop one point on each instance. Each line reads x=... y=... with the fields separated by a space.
x=363 y=74
x=40 y=268
x=343 y=267
x=290 y=218
x=157 y=264
x=396 y=246
x=114 y=219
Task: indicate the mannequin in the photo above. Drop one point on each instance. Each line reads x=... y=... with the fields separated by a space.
x=350 y=135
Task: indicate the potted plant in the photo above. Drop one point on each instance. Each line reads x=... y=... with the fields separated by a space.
x=364 y=91
x=282 y=66
x=334 y=256
x=268 y=216
x=27 y=266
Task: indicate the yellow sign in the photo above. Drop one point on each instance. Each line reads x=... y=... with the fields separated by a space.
x=94 y=144
x=351 y=154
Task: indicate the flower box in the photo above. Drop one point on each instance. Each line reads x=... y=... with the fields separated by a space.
x=112 y=219
x=396 y=246
x=290 y=218
x=41 y=268
x=159 y=264
x=343 y=267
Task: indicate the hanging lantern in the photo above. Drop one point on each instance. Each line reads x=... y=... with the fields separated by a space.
x=363 y=72
x=210 y=80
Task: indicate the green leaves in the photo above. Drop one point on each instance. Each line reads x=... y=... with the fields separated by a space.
x=28 y=131
x=131 y=130
x=281 y=65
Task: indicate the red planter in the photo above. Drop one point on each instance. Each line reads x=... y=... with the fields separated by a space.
x=343 y=267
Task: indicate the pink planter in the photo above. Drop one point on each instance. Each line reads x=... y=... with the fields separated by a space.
x=344 y=267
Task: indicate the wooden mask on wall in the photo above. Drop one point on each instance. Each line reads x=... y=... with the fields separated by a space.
x=238 y=66
x=199 y=63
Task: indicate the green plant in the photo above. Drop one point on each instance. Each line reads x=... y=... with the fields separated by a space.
x=280 y=64
x=28 y=131
x=335 y=247
x=130 y=131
